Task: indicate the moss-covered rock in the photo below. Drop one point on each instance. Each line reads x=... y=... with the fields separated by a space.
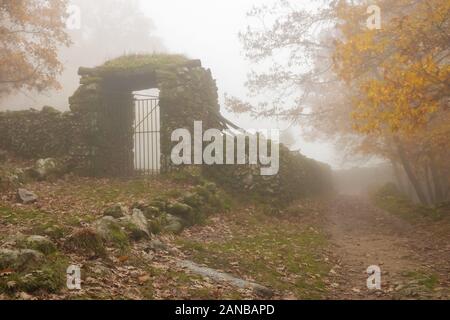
x=50 y=278
x=112 y=232
x=18 y=259
x=182 y=210
x=159 y=203
x=193 y=200
x=149 y=211
x=137 y=225
x=41 y=243
x=116 y=211
x=173 y=224
x=46 y=276
x=86 y=241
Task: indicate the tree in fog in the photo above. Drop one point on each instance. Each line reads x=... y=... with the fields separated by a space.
x=378 y=92
x=31 y=32
x=108 y=28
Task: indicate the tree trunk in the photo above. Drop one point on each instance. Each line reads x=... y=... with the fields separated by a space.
x=431 y=191
x=398 y=176
x=410 y=173
x=437 y=181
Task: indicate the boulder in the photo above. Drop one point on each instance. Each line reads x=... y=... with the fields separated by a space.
x=86 y=241
x=40 y=243
x=137 y=224
x=193 y=200
x=45 y=168
x=8 y=258
x=181 y=210
x=161 y=204
x=173 y=224
x=18 y=259
x=211 y=187
x=113 y=231
x=149 y=211
x=109 y=229
x=26 y=197
x=117 y=211
x=29 y=256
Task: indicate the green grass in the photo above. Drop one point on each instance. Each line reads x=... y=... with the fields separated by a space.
x=17 y=216
x=136 y=61
x=424 y=279
x=273 y=252
x=46 y=277
x=419 y=283
x=389 y=198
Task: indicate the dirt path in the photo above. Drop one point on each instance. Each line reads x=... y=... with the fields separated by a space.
x=413 y=263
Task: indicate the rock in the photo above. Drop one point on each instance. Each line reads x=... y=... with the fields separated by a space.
x=109 y=229
x=26 y=197
x=117 y=211
x=262 y=291
x=40 y=243
x=8 y=258
x=114 y=231
x=193 y=200
x=181 y=210
x=156 y=245
x=44 y=168
x=137 y=225
x=211 y=187
x=141 y=205
x=54 y=232
x=28 y=256
x=151 y=212
x=219 y=276
x=159 y=203
x=18 y=259
x=86 y=241
x=173 y=224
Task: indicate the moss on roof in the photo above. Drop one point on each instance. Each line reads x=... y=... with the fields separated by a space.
x=137 y=61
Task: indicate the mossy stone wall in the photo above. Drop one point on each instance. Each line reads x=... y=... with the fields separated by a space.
x=104 y=101
x=32 y=134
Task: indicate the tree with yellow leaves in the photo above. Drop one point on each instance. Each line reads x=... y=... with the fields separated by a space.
x=401 y=75
x=30 y=33
x=382 y=91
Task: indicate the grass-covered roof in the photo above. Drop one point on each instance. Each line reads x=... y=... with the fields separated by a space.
x=136 y=70
x=138 y=61
x=128 y=64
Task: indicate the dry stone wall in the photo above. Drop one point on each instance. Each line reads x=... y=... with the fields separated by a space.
x=96 y=136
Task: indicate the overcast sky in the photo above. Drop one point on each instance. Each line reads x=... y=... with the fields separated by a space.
x=208 y=30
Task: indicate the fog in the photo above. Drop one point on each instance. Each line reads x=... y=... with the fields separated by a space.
x=207 y=149
x=201 y=29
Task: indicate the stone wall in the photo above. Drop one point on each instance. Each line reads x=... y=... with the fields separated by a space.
x=104 y=99
x=97 y=134
x=33 y=134
x=298 y=177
